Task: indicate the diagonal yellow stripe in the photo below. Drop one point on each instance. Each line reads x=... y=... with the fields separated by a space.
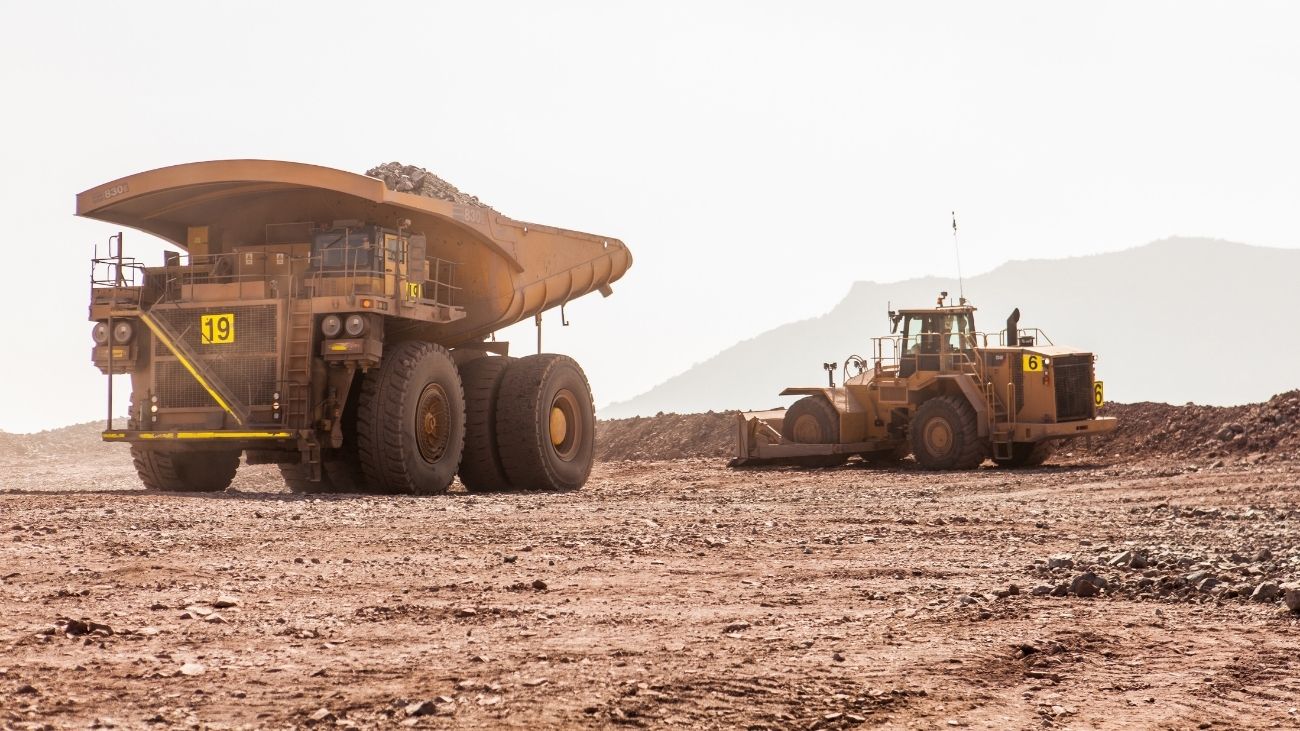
x=166 y=341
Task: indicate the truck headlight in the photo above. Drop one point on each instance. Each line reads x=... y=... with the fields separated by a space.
x=355 y=325
x=123 y=332
x=100 y=333
x=331 y=326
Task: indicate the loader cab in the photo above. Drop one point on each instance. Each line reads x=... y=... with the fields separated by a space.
x=936 y=340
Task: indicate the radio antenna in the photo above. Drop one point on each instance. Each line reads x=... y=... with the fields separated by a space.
x=961 y=291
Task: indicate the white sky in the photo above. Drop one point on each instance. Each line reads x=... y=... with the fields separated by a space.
x=756 y=157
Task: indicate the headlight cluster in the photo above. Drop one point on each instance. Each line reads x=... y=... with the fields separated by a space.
x=332 y=326
x=122 y=333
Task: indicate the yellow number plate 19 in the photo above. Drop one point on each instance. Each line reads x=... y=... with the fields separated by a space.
x=1033 y=363
x=1099 y=393
x=217 y=329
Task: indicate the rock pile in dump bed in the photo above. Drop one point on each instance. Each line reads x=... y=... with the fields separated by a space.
x=412 y=179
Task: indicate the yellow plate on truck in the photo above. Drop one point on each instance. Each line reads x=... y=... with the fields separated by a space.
x=217 y=329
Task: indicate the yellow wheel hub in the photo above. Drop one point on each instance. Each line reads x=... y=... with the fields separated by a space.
x=559 y=426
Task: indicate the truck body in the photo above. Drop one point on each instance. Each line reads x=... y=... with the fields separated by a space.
x=294 y=284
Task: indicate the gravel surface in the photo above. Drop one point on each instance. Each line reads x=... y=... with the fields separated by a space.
x=663 y=594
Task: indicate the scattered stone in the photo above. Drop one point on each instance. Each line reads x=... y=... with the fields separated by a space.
x=27 y=689
x=539 y=585
x=509 y=559
x=321 y=715
x=466 y=612
x=736 y=627
x=837 y=657
x=1207 y=584
x=421 y=708
x=1292 y=599
x=192 y=668
x=224 y=602
x=1265 y=592
x=1060 y=561
x=1042 y=590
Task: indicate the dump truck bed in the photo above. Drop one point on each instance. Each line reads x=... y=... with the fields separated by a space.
x=507 y=270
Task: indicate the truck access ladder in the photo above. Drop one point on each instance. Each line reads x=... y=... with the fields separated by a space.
x=297 y=362
x=998 y=414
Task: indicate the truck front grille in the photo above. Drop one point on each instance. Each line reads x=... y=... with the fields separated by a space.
x=249 y=365
x=1073 y=377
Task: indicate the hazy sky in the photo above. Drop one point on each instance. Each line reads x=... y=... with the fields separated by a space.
x=756 y=157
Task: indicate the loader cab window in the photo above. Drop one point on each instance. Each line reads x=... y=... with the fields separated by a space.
x=344 y=250
x=929 y=338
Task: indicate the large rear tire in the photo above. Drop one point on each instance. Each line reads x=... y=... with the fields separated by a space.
x=338 y=475
x=480 y=467
x=411 y=421
x=185 y=471
x=945 y=435
x=1027 y=454
x=812 y=420
x=545 y=423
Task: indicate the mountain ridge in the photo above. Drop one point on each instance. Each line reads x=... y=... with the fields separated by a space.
x=1177 y=290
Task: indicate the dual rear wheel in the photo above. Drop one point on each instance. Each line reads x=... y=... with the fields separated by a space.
x=502 y=423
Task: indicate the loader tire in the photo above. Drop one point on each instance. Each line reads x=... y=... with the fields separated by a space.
x=812 y=420
x=545 y=423
x=945 y=435
x=185 y=471
x=887 y=457
x=1026 y=454
x=480 y=467
x=411 y=421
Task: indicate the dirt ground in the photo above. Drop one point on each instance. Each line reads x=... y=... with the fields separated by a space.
x=663 y=594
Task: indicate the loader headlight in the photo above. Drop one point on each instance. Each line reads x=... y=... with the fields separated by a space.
x=331 y=326
x=123 y=332
x=355 y=326
x=100 y=333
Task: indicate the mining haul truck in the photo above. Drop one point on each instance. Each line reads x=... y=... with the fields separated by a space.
x=344 y=331
x=938 y=390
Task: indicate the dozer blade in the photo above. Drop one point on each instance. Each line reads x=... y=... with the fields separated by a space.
x=759 y=444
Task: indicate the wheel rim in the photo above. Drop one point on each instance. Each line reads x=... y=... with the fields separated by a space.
x=938 y=437
x=432 y=423
x=565 y=427
x=807 y=430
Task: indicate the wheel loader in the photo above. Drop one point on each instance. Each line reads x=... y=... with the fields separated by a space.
x=936 y=389
x=344 y=330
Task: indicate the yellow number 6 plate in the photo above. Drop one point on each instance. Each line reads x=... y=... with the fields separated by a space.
x=1099 y=393
x=217 y=329
x=1033 y=363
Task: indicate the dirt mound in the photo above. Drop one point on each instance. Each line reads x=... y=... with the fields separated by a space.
x=1271 y=428
x=412 y=179
x=666 y=436
x=1145 y=429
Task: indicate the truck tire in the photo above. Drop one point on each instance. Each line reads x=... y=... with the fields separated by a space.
x=945 y=435
x=812 y=420
x=480 y=466
x=545 y=423
x=411 y=421
x=185 y=471
x=338 y=475
x=1027 y=454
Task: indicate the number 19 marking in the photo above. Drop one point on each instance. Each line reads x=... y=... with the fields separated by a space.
x=217 y=329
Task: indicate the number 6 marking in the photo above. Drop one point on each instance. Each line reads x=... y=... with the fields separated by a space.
x=1033 y=363
x=1098 y=393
